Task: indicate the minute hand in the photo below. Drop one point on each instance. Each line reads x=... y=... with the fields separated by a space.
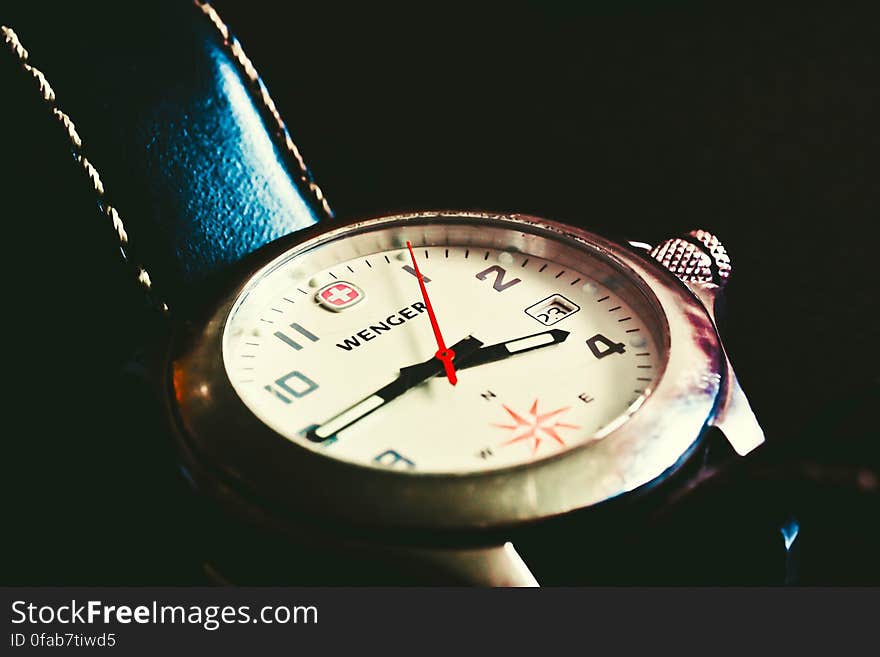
x=508 y=348
x=408 y=378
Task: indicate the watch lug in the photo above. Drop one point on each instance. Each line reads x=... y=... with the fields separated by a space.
x=733 y=415
x=707 y=294
x=496 y=565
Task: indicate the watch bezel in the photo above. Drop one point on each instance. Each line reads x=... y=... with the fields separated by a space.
x=210 y=418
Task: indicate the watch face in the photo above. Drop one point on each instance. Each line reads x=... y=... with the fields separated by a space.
x=555 y=343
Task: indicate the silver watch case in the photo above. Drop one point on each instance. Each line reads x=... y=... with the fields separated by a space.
x=219 y=435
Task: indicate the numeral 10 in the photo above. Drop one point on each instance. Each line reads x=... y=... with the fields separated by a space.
x=295 y=384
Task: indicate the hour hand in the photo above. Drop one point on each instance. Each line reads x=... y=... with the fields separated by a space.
x=408 y=378
x=508 y=348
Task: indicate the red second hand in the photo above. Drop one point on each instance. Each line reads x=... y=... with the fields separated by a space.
x=443 y=354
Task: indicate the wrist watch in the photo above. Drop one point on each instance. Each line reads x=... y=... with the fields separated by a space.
x=401 y=399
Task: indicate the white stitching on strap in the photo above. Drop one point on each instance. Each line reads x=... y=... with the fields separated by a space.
x=11 y=40
x=247 y=66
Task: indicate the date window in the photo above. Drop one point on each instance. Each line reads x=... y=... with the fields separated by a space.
x=553 y=309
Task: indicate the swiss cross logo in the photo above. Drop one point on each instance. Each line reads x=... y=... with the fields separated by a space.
x=339 y=296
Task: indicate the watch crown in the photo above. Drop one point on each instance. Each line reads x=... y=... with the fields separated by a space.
x=697 y=256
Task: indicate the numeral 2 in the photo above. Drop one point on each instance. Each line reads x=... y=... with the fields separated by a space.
x=499 y=283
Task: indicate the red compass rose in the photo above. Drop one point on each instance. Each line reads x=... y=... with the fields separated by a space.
x=537 y=427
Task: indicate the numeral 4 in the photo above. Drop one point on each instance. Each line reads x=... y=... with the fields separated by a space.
x=602 y=346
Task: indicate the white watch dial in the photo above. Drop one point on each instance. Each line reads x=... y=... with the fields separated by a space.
x=555 y=346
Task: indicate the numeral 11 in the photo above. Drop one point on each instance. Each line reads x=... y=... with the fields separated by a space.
x=293 y=343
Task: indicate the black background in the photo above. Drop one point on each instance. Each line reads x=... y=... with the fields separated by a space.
x=637 y=120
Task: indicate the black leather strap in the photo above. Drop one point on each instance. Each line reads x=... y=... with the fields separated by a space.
x=189 y=147
x=189 y=155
